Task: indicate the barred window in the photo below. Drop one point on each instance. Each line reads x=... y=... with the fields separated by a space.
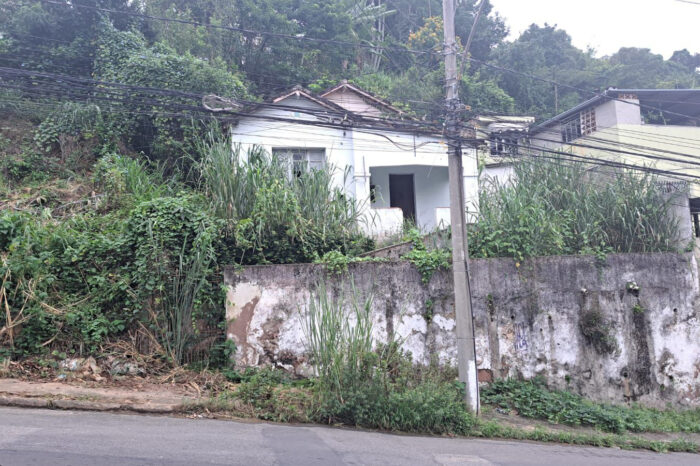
x=301 y=160
x=503 y=145
x=588 y=121
x=579 y=125
x=571 y=129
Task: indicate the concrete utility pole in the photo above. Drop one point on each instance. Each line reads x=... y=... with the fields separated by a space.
x=466 y=350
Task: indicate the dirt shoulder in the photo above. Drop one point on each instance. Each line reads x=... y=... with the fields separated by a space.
x=140 y=397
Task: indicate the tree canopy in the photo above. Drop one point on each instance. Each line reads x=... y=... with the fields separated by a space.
x=257 y=48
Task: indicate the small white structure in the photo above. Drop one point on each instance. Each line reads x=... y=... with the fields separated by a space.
x=501 y=135
x=398 y=173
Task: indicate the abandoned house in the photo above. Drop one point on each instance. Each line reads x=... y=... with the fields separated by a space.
x=397 y=172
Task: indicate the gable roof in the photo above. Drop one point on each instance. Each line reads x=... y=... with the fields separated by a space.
x=299 y=91
x=385 y=105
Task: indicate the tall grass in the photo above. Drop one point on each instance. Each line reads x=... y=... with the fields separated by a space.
x=338 y=337
x=176 y=296
x=552 y=208
x=365 y=383
x=272 y=214
x=118 y=175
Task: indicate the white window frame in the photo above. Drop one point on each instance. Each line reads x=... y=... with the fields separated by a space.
x=301 y=159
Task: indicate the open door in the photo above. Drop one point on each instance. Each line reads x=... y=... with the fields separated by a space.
x=402 y=194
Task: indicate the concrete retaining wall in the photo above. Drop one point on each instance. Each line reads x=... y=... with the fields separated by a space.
x=626 y=329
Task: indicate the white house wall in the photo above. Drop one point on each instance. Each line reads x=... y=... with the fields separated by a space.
x=361 y=151
x=270 y=134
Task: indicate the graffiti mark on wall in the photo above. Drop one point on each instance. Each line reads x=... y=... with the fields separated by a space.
x=520 y=337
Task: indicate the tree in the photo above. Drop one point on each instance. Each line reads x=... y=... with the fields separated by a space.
x=58 y=38
x=685 y=59
x=547 y=52
x=125 y=57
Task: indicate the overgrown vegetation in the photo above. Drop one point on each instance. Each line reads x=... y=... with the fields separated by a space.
x=360 y=382
x=145 y=255
x=554 y=208
x=116 y=214
x=273 y=213
x=532 y=399
x=426 y=260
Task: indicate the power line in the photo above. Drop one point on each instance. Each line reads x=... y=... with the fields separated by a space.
x=51 y=89
x=610 y=163
x=622 y=152
x=353 y=44
x=578 y=89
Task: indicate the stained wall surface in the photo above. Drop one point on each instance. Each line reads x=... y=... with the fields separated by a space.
x=622 y=329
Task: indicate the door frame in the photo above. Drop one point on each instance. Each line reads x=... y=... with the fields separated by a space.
x=415 y=199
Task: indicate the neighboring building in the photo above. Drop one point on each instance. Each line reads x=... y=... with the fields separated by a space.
x=500 y=136
x=398 y=173
x=657 y=128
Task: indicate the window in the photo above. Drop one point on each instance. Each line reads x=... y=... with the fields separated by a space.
x=503 y=145
x=588 y=121
x=301 y=160
x=571 y=129
x=580 y=125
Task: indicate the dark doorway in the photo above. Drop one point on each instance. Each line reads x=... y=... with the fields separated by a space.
x=402 y=194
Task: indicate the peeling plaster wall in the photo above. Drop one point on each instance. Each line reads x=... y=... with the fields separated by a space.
x=528 y=319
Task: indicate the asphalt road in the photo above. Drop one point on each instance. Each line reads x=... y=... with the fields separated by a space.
x=38 y=437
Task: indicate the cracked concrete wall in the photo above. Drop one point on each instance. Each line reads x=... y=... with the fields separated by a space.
x=625 y=329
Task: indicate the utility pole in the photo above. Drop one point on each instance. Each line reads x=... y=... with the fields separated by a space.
x=466 y=350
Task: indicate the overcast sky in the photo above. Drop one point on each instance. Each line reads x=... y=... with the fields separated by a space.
x=606 y=25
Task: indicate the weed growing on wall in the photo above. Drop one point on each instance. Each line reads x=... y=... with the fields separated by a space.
x=597 y=332
x=337 y=263
x=426 y=260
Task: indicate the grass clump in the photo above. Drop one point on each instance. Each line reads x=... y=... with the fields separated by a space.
x=494 y=429
x=275 y=211
x=364 y=384
x=532 y=399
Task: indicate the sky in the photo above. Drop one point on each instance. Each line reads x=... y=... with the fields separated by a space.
x=606 y=25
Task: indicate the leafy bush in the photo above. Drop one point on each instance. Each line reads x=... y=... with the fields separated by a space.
x=426 y=260
x=532 y=399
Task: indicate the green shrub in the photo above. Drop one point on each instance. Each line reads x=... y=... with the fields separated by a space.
x=11 y=225
x=88 y=278
x=532 y=399
x=427 y=261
